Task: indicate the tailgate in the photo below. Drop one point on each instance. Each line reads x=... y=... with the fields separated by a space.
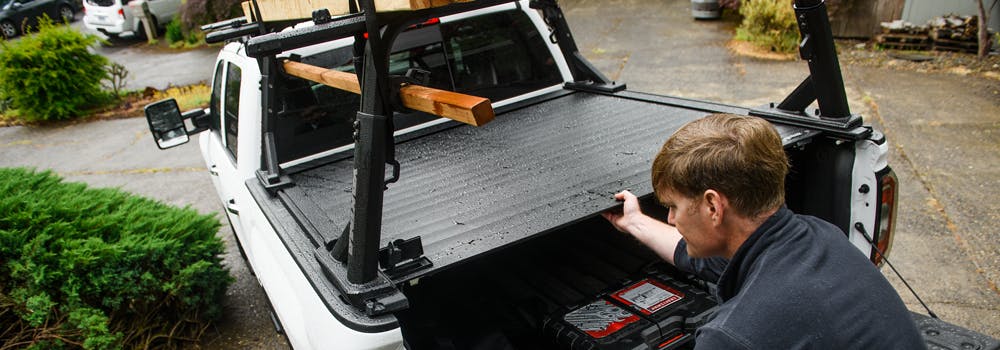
x=467 y=191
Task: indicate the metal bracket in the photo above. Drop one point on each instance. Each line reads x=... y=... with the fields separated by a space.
x=400 y=250
x=850 y=128
x=415 y=76
x=403 y=257
x=273 y=182
x=321 y=16
x=378 y=296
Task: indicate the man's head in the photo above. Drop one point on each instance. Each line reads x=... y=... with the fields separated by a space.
x=720 y=167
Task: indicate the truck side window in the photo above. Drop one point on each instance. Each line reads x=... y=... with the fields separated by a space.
x=232 y=109
x=215 y=117
x=498 y=56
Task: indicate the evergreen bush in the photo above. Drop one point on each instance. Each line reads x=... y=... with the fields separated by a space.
x=102 y=269
x=51 y=75
x=770 y=24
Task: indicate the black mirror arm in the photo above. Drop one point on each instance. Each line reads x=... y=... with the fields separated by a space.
x=199 y=118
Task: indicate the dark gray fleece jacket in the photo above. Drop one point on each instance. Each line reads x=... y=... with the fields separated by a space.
x=797 y=283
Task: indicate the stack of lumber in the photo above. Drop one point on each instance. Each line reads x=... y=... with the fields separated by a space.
x=284 y=10
x=900 y=35
x=955 y=33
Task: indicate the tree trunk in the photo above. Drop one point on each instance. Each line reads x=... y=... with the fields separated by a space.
x=984 y=35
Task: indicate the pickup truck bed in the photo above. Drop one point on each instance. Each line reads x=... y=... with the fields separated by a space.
x=541 y=165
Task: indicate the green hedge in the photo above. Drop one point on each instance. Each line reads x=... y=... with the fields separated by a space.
x=52 y=74
x=102 y=269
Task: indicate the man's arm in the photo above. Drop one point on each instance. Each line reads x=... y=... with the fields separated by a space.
x=655 y=234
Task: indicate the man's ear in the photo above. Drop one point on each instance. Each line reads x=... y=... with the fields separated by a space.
x=715 y=204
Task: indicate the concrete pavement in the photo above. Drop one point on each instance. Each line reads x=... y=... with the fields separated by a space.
x=155 y=66
x=944 y=128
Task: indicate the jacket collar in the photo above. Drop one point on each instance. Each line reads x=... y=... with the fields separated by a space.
x=734 y=276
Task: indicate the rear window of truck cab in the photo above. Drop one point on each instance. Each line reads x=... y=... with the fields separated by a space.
x=497 y=56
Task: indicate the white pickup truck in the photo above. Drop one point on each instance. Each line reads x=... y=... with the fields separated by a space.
x=413 y=231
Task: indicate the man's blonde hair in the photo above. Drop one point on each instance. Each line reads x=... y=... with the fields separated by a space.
x=739 y=156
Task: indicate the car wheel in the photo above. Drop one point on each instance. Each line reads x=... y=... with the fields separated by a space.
x=8 y=29
x=66 y=13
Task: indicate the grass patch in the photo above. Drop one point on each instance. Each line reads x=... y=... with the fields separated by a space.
x=188 y=97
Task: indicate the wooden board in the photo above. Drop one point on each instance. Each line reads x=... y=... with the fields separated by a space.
x=472 y=110
x=279 y=10
x=282 y=10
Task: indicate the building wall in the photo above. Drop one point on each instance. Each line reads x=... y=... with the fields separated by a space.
x=920 y=11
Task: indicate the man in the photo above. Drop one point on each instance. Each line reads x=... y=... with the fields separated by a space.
x=785 y=281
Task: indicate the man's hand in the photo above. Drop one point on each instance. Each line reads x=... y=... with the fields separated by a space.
x=629 y=218
x=655 y=234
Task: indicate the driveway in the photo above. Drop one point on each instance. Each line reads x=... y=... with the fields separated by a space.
x=155 y=66
x=946 y=157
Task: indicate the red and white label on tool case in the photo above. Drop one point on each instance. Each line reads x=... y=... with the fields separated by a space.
x=600 y=318
x=648 y=296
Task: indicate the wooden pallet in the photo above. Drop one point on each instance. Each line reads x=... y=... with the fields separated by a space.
x=903 y=41
x=955 y=45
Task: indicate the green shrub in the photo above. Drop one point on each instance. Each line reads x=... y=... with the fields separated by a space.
x=51 y=75
x=174 y=32
x=102 y=269
x=770 y=24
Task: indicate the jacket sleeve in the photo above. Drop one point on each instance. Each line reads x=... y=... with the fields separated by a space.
x=709 y=269
x=712 y=338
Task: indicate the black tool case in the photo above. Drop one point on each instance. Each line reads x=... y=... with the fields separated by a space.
x=655 y=312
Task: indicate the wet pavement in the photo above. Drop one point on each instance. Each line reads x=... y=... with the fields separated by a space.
x=944 y=131
x=156 y=66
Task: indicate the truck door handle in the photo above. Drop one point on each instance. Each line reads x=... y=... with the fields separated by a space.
x=211 y=170
x=232 y=208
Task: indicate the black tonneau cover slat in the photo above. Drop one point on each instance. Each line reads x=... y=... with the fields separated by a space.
x=467 y=191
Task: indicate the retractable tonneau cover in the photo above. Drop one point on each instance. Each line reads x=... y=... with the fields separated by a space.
x=466 y=191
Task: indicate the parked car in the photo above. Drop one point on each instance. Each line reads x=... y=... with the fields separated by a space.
x=18 y=15
x=117 y=17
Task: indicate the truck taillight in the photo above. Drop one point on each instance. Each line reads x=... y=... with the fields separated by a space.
x=885 y=215
x=121 y=12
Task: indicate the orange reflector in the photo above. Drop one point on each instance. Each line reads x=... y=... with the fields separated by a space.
x=885 y=216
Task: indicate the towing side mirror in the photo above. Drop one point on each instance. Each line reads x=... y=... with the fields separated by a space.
x=166 y=123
